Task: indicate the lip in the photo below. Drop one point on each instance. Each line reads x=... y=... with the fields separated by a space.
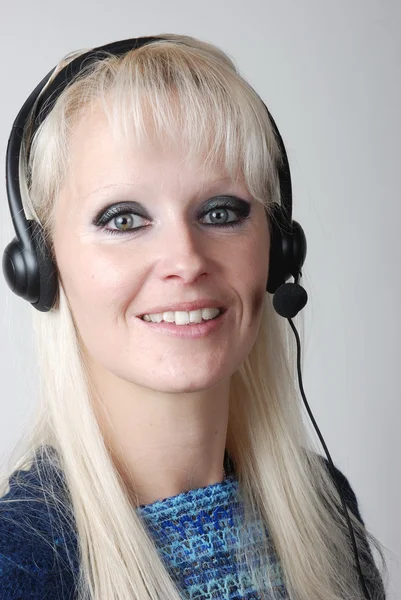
x=193 y=331
x=184 y=306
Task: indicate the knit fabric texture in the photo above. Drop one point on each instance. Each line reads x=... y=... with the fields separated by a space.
x=38 y=550
x=197 y=533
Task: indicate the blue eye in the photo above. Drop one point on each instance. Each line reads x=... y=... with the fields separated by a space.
x=126 y=216
x=220 y=208
x=220 y=217
x=220 y=212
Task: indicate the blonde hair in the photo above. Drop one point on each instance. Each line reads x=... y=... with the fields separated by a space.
x=282 y=479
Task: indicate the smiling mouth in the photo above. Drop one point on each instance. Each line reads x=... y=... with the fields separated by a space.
x=184 y=317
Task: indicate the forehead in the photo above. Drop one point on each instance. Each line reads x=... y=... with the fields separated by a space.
x=99 y=156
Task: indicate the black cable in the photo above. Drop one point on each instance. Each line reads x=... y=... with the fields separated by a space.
x=351 y=532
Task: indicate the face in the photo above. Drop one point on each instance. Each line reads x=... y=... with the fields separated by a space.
x=139 y=232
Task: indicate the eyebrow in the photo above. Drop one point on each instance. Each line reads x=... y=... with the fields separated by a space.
x=107 y=187
x=205 y=185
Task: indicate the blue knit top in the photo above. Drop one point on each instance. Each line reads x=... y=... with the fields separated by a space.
x=195 y=533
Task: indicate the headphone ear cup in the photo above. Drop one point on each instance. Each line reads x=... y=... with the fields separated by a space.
x=46 y=270
x=287 y=248
x=14 y=269
x=30 y=271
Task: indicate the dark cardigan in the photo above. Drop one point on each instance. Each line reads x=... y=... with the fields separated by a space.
x=30 y=529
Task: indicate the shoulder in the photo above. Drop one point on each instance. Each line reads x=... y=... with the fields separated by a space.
x=36 y=546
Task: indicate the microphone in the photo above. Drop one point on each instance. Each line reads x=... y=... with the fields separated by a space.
x=289 y=299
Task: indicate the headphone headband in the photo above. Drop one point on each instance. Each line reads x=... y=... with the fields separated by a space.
x=68 y=73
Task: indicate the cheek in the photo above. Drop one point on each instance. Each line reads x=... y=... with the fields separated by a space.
x=94 y=283
x=257 y=300
x=255 y=270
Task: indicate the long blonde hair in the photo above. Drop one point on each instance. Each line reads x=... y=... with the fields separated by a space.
x=281 y=476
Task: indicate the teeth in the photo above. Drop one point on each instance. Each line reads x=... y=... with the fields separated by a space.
x=180 y=317
x=157 y=318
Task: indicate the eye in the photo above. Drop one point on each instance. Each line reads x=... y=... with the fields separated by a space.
x=126 y=221
x=121 y=218
x=219 y=212
x=225 y=211
x=221 y=216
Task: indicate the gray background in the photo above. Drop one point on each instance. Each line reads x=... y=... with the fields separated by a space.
x=330 y=74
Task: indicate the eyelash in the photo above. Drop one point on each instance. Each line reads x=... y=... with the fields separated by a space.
x=114 y=212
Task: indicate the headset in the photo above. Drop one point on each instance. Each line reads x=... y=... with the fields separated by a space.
x=31 y=272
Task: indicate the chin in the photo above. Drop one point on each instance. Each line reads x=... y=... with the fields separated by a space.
x=183 y=383
x=184 y=387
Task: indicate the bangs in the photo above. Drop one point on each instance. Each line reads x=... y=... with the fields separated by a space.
x=170 y=95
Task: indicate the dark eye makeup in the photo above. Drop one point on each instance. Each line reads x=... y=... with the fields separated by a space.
x=216 y=211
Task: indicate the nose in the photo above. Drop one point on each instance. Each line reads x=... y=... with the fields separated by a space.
x=184 y=254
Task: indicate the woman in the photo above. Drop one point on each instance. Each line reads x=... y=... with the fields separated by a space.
x=169 y=458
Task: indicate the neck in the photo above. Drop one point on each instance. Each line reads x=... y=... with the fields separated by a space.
x=162 y=444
